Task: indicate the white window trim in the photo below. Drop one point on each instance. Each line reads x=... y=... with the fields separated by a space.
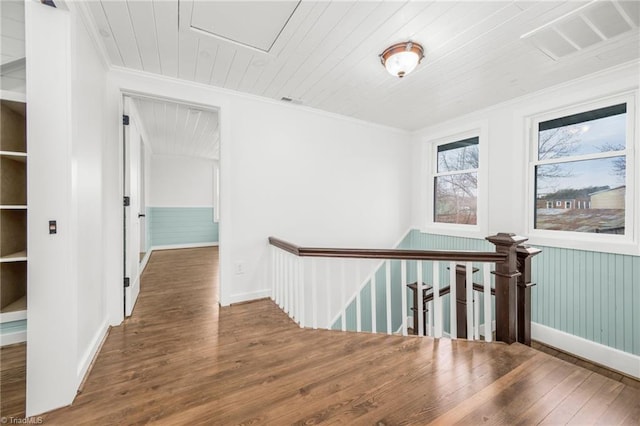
x=430 y=153
x=622 y=244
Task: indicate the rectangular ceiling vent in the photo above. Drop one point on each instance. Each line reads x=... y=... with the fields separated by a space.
x=590 y=25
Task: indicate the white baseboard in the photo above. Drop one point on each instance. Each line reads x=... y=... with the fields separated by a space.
x=181 y=246
x=145 y=260
x=615 y=359
x=92 y=350
x=11 y=338
x=247 y=297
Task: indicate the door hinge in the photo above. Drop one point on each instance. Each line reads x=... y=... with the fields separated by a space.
x=126 y=282
x=125 y=120
x=126 y=201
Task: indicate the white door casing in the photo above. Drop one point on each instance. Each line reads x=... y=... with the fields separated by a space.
x=131 y=220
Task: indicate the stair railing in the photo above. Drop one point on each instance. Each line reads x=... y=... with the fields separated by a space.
x=302 y=288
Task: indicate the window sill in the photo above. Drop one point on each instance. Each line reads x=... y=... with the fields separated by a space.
x=577 y=241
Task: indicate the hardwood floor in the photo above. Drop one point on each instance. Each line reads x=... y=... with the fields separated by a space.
x=183 y=360
x=13 y=380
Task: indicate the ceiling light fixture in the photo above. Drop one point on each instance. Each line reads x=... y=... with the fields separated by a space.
x=402 y=58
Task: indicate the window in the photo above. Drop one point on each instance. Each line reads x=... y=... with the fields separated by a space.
x=581 y=159
x=455 y=182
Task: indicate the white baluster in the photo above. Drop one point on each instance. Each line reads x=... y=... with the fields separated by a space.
x=328 y=289
x=343 y=297
x=294 y=290
x=437 y=302
x=272 y=255
x=476 y=315
x=374 y=327
x=285 y=277
x=301 y=299
x=276 y=296
x=486 y=277
x=387 y=265
x=279 y=277
x=469 y=288
x=453 y=327
x=419 y=291
x=403 y=280
x=314 y=292
x=358 y=300
x=433 y=316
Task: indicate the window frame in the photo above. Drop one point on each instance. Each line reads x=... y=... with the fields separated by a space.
x=430 y=162
x=624 y=244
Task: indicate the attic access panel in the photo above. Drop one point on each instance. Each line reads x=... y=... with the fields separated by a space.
x=256 y=24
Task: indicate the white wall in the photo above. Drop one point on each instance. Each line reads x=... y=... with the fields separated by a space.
x=178 y=181
x=311 y=177
x=508 y=145
x=88 y=97
x=51 y=292
x=66 y=291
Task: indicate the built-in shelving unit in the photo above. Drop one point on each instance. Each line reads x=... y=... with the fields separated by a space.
x=13 y=215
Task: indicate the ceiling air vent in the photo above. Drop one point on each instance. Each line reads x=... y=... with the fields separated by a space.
x=585 y=27
x=291 y=100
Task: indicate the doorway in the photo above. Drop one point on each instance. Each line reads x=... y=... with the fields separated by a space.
x=171 y=153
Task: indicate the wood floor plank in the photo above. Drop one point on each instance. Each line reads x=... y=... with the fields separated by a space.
x=13 y=376
x=182 y=359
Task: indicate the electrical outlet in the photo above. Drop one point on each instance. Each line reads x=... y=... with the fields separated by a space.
x=240 y=267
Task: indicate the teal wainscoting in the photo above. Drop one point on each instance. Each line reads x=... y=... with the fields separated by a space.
x=180 y=225
x=588 y=294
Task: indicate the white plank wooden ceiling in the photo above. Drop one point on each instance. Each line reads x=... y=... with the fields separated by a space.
x=325 y=53
x=177 y=129
x=12 y=49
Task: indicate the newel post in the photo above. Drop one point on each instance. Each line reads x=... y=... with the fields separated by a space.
x=525 y=253
x=506 y=286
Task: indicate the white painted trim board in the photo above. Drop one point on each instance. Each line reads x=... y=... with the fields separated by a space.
x=92 y=351
x=615 y=359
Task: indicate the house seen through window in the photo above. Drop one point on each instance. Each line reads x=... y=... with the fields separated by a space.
x=580 y=172
x=456 y=182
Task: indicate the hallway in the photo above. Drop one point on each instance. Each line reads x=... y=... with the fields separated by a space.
x=180 y=359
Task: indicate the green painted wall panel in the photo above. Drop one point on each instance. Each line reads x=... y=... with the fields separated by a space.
x=181 y=225
x=589 y=294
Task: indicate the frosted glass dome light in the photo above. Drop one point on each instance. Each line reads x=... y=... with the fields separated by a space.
x=402 y=58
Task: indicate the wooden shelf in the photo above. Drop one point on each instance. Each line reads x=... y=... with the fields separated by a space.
x=19 y=256
x=13 y=123
x=13 y=232
x=12 y=95
x=18 y=305
x=13 y=181
x=15 y=311
x=13 y=187
x=14 y=155
x=14 y=286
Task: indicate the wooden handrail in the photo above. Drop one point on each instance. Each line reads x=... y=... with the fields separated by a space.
x=460 y=256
